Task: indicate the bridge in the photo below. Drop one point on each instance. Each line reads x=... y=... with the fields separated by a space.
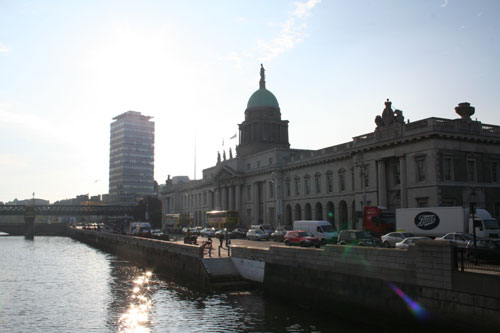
x=30 y=212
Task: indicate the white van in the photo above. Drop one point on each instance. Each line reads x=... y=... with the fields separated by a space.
x=321 y=229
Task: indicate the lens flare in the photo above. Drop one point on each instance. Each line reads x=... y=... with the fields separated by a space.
x=416 y=309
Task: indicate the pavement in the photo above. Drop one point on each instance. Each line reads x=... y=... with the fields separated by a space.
x=223 y=251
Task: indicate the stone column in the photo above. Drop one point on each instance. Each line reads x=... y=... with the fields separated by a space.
x=237 y=189
x=404 y=180
x=231 y=197
x=255 y=213
x=224 y=198
x=217 y=199
x=382 y=184
x=210 y=199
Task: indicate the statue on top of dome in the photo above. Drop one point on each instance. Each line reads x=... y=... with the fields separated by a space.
x=262 y=82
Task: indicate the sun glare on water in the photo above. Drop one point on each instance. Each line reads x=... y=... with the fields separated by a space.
x=136 y=318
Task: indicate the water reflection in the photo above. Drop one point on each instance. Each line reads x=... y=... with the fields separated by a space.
x=54 y=284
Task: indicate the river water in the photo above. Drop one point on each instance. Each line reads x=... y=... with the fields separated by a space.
x=56 y=284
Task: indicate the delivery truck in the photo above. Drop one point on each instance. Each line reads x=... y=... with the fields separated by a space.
x=437 y=221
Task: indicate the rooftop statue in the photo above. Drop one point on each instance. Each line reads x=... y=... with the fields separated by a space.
x=389 y=116
x=262 y=82
x=230 y=153
x=218 y=157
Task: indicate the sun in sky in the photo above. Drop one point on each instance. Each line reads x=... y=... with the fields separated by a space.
x=67 y=68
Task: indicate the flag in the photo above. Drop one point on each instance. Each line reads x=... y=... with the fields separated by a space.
x=233 y=137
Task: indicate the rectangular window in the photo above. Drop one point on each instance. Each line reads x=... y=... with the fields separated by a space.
x=318 y=184
x=307 y=185
x=494 y=172
x=422 y=202
x=249 y=192
x=329 y=183
x=342 y=182
x=447 y=168
x=471 y=169
x=397 y=174
x=271 y=190
x=288 y=190
x=297 y=187
x=449 y=202
x=271 y=216
x=421 y=170
x=365 y=172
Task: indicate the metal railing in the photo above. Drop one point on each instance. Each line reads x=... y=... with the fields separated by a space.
x=477 y=259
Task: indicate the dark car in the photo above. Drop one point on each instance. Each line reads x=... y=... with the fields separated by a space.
x=238 y=233
x=487 y=250
x=279 y=234
x=357 y=238
x=301 y=238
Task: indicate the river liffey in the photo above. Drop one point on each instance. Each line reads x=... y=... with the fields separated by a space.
x=56 y=284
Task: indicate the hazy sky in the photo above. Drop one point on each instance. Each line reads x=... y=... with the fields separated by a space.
x=68 y=67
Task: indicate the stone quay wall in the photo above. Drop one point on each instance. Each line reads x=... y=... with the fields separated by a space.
x=364 y=280
x=181 y=262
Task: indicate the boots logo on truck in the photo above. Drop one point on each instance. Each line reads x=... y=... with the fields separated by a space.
x=426 y=220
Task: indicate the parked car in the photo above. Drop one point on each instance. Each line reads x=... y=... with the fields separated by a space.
x=279 y=234
x=357 y=238
x=460 y=239
x=238 y=233
x=301 y=238
x=405 y=243
x=264 y=227
x=390 y=239
x=487 y=250
x=257 y=234
x=207 y=232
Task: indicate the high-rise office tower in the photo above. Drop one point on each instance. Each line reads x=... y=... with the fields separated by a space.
x=131 y=157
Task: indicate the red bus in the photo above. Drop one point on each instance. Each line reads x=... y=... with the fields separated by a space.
x=378 y=220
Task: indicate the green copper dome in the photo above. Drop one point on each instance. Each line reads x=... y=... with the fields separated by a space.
x=263 y=98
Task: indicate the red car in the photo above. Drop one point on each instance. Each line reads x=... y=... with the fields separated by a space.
x=301 y=238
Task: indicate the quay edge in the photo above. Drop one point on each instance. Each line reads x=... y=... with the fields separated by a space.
x=336 y=279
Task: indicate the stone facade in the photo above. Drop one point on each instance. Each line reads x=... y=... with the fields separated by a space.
x=430 y=162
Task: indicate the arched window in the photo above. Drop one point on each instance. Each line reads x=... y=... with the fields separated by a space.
x=307 y=213
x=330 y=213
x=318 y=211
x=298 y=212
x=288 y=215
x=343 y=214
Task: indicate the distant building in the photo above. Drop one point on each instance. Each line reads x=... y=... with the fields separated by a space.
x=26 y=202
x=430 y=162
x=131 y=158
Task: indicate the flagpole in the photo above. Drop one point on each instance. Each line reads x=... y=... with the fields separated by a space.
x=195 y=157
